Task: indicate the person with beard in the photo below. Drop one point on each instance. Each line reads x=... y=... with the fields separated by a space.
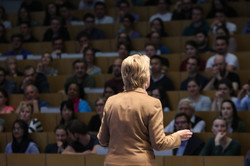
x=183 y=10
x=82 y=141
x=220 y=72
x=61 y=141
x=221 y=47
x=21 y=143
x=201 y=40
x=116 y=81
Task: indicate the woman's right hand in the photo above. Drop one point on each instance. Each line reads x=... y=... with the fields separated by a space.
x=185 y=134
x=219 y=137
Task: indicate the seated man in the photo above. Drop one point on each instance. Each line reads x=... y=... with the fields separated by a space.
x=201 y=40
x=188 y=107
x=100 y=13
x=17 y=49
x=37 y=79
x=163 y=11
x=189 y=147
x=58 y=46
x=25 y=31
x=183 y=10
x=243 y=99
x=8 y=85
x=82 y=141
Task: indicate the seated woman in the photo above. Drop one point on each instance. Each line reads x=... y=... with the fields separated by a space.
x=229 y=112
x=75 y=94
x=224 y=91
x=109 y=90
x=221 y=144
x=158 y=25
x=67 y=112
x=191 y=49
x=21 y=142
x=96 y=120
x=25 y=114
x=61 y=140
x=4 y=108
x=89 y=58
x=45 y=65
x=12 y=67
x=202 y=103
x=160 y=94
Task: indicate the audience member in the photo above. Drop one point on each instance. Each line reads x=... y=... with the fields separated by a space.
x=123 y=37
x=193 y=64
x=124 y=8
x=221 y=144
x=3 y=18
x=188 y=107
x=96 y=120
x=84 y=41
x=158 y=79
x=157 y=25
x=80 y=75
x=202 y=103
x=93 y=32
x=242 y=101
x=128 y=26
x=32 y=5
x=51 y=12
x=247 y=158
x=155 y=38
x=89 y=58
x=221 y=5
x=37 y=79
x=224 y=92
x=61 y=141
x=67 y=17
x=17 y=49
x=160 y=94
x=201 y=40
x=116 y=81
x=82 y=141
x=25 y=113
x=56 y=29
x=88 y=5
x=20 y=139
x=198 y=23
x=24 y=15
x=194 y=145
x=221 y=47
x=219 y=70
x=8 y=85
x=58 y=46
x=45 y=65
x=26 y=33
x=246 y=28
x=191 y=50
x=12 y=67
x=100 y=13
x=67 y=112
x=163 y=11
x=229 y=112
x=183 y=10
x=3 y=39
x=109 y=90
x=4 y=107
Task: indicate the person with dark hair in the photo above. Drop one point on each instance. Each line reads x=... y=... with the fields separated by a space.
x=75 y=93
x=21 y=142
x=183 y=10
x=61 y=140
x=24 y=15
x=8 y=85
x=242 y=102
x=232 y=43
x=124 y=49
x=201 y=40
x=51 y=11
x=191 y=50
x=109 y=90
x=128 y=26
x=158 y=79
x=58 y=46
x=32 y=5
x=229 y=112
x=193 y=66
x=84 y=41
x=67 y=17
x=221 y=144
x=82 y=141
x=124 y=38
x=202 y=103
x=123 y=9
x=17 y=49
x=4 y=107
x=56 y=29
x=160 y=94
x=100 y=13
x=67 y=112
x=96 y=120
x=25 y=31
x=194 y=145
x=88 y=5
x=3 y=39
x=80 y=75
x=157 y=25
x=89 y=58
x=3 y=18
x=155 y=38
x=198 y=22
x=93 y=32
x=163 y=11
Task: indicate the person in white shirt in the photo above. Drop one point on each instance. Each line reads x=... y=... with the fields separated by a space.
x=100 y=11
x=163 y=14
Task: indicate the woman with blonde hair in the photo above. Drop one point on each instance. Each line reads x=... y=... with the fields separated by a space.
x=132 y=123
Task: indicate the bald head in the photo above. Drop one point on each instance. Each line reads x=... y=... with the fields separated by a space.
x=219 y=62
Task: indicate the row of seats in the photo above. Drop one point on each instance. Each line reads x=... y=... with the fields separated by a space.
x=44 y=138
x=98 y=160
x=50 y=120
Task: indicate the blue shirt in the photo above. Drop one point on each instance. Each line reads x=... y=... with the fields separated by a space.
x=182 y=148
x=243 y=104
x=32 y=148
x=25 y=53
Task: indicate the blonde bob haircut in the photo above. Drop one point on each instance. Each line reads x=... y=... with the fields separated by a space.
x=135 y=72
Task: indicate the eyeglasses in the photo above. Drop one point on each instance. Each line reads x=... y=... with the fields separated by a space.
x=180 y=122
x=17 y=128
